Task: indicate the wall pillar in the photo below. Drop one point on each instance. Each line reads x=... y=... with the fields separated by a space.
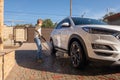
x=1 y=22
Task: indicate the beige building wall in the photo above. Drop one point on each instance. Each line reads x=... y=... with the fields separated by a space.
x=7 y=61
x=7 y=36
x=7 y=33
x=1 y=22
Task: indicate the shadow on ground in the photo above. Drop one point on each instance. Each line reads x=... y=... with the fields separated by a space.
x=26 y=58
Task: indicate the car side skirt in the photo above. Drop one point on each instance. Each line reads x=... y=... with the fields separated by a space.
x=61 y=49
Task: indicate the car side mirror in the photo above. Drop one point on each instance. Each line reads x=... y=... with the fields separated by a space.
x=66 y=24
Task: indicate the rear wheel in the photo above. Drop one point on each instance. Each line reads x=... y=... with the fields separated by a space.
x=77 y=56
x=53 y=50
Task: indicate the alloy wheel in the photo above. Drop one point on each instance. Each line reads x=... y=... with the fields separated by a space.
x=76 y=54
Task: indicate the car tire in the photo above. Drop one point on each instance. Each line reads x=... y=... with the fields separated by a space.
x=53 y=50
x=77 y=55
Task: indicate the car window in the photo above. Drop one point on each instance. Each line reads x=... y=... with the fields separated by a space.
x=87 y=21
x=59 y=25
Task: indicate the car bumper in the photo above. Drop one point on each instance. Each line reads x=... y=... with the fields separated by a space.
x=104 y=47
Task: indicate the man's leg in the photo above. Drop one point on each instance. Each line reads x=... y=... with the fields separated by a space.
x=39 y=51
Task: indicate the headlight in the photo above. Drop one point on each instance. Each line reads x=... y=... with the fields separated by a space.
x=94 y=30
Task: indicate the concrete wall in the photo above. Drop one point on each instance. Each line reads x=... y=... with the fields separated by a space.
x=8 y=31
x=7 y=61
x=30 y=35
x=22 y=34
x=1 y=67
x=45 y=32
x=1 y=22
x=7 y=36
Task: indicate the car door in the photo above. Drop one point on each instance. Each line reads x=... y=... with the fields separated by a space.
x=65 y=34
x=57 y=34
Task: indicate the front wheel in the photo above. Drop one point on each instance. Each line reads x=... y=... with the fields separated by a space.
x=76 y=54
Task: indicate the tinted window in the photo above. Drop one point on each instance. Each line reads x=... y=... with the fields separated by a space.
x=87 y=21
x=59 y=25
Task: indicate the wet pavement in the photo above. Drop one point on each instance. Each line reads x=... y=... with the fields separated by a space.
x=56 y=68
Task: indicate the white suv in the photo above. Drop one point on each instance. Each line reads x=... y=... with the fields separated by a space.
x=87 y=39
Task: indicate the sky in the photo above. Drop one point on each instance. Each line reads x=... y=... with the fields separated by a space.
x=28 y=11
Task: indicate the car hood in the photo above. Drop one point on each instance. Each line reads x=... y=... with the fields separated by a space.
x=112 y=27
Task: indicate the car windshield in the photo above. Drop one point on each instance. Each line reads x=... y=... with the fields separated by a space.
x=87 y=21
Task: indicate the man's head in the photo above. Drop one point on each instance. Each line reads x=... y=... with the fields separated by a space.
x=39 y=22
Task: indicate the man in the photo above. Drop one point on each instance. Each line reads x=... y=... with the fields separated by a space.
x=37 y=39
